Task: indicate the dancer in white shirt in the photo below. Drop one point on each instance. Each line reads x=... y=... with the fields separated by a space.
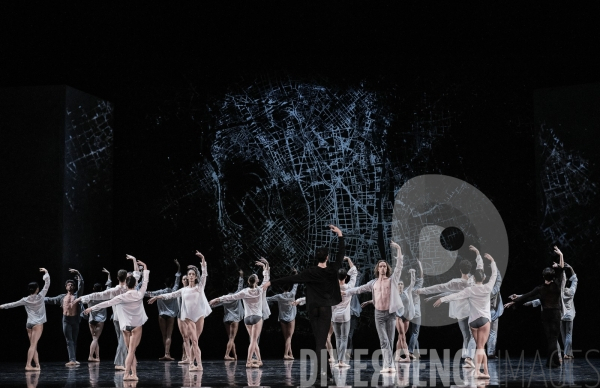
x=194 y=308
x=232 y=315
x=97 y=319
x=253 y=312
x=36 y=317
x=340 y=314
x=131 y=317
x=480 y=316
x=287 y=315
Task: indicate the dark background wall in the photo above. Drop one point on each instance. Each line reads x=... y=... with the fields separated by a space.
x=461 y=79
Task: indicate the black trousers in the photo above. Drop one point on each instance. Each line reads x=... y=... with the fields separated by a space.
x=551 y=324
x=320 y=320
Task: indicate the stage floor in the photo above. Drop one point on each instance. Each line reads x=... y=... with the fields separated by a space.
x=526 y=372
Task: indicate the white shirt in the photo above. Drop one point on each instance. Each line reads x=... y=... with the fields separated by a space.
x=287 y=311
x=459 y=309
x=194 y=304
x=252 y=297
x=108 y=295
x=131 y=305
x=341 y=311
x=34 y=304
x=477 y=296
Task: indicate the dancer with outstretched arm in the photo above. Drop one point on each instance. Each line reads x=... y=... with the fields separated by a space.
x=97 y=319
x=287 y=315
x=36 y=317
x=131 y=317
x=322 y=292
x=232 y=315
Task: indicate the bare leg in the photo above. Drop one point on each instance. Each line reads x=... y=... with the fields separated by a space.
x=162 y=324
x=231 y=329
x=133 y=340
x=481 y=335
x=199 y=328
x=96 y=331
x=287 y=328
x=195 y=350
x=254 y=333
x=401 y=343
x=170 y=324
x=328 y=344
x=34 y=336
x=186 y=342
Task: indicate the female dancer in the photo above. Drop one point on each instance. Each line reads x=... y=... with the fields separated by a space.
x=180 y=324
x=232 y=316
x=194 y=308
x=36 y=317
x=287 y=315
x=253 y=313
x=96 y=320
x=167 y=311
x=480 y=317
x=131 y=317
x=387 y=301
x=549 y=295
x=340 y=314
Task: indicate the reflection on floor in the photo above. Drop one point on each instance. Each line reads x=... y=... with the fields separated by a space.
x=523 y=372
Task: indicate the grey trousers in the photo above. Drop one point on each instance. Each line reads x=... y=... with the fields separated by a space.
x=71 y=331
x=491 y=344
x=384 y=323
x=566 y=332
x=121 y=348
x=353 y=325
x=413 y=334
x=468 y=340
x=341 y=330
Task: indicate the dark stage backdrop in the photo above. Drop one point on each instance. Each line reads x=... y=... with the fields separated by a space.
x=259 y=167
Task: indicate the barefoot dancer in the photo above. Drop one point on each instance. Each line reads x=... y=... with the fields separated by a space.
x=340 y=314
x=287 y=315
x=194 y=308
x=480 y=317
x=71 y=314
x=96 y=321
x=181 y=325
x=415 y=323
x=121 y=288
x=459 y=309
x=167 y=311
x=36 y=317
x=253 y=313
x=233 y=314
x=403 y=317
x=131 y=317
x=386 y=301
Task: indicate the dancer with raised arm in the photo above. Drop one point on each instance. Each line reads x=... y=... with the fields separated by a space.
x=71 y=314
x=340 y=314
x=568 y=313
x=403 y=317
x=415 y=323
x=36 y=317
x=387 y=301
x=550 y=298
x=459 y=309
x=232 y=315
x=119 y=289
x=167 y=311
x=322 y=292
x=194 y=308
x=478 y=297
x=252 y=296
x=131 y=316
x=96 y=320
x=287 y=315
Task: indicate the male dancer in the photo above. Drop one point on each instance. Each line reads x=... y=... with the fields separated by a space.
x=322 y=292
x=459 y=309
x=119 y=289
x=71 y=314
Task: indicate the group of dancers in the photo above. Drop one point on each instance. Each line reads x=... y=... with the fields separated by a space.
x=332 y=306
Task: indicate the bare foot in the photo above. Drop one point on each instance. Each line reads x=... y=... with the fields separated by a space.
x=70 y=364
x=249 y=364
x=482 y=376
x=183 y=362
x=92 y=359
x=119 y=367
x=405 y=359
x=229 y=358
x=287 y=357
x=29 y=367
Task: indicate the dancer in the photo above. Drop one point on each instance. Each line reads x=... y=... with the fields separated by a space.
x=355 y=311
x=287 y=315
x=36 y=317
x=119 y=289
x=386 y=300
x=568 y=313
x=459 y=309
x=415 y=323
x=131 y=317
x=322 y=292
x=253 y=312
x=194 y=308
x=96 y=320
x=167 y=311
x=496 y=309
x=181 y=325
x=71 y=314
x=549 y=294
x=340 y=314
x=478 y=297
x=232 y=316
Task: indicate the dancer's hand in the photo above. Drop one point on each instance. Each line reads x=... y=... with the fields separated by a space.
x=214 y=301
x=335 y=230
x=73 y=271
x=395 y=245
x=177 y=264
x=343 y=293
x=557 y=251
x=87 y=311
x=260 y=264
x=412 y=270
x=142 y=264
x=153 y=299
x=129 y=257
x=437 y=303
x=507 y=305
x=294 y=303
x=43 y=270
x=472 y=248
x=241 y=273
x=364 y=304
x=487 y=256
x=513 y=296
